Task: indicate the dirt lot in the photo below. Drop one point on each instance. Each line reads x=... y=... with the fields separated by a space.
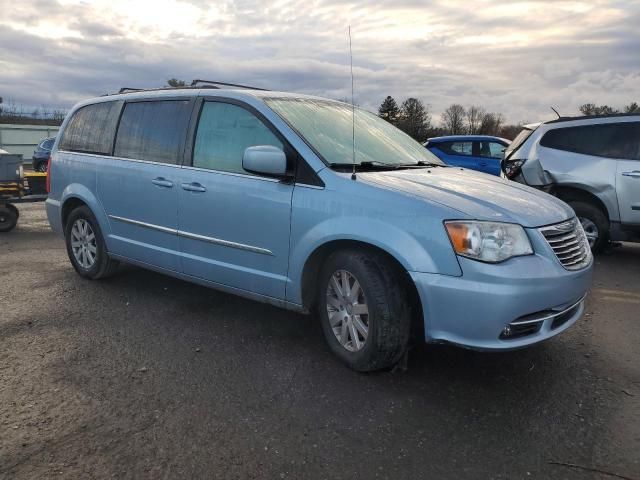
x=144 y=376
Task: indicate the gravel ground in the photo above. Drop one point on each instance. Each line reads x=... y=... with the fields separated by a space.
x=143 y=376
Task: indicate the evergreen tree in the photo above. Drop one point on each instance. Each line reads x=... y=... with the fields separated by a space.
x=389 y=110
x=174 y=82
x=415 y=119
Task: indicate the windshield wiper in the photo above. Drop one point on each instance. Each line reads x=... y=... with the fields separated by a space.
x=377 y=165
x=421 y=164
x=366 y=165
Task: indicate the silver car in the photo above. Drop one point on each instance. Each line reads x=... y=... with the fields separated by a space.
x=592 y=163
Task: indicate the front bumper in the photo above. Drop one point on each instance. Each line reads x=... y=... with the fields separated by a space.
x=484 y=309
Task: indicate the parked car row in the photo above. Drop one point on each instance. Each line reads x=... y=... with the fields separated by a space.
x=477 y=152
x=266 y=195
x=592 y=163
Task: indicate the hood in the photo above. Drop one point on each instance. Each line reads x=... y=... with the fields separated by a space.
x=477 y=195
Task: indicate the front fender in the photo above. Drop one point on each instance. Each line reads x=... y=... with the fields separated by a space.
x=433 y=256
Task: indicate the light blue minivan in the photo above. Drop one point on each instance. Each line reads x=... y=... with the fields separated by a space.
x=267 y=195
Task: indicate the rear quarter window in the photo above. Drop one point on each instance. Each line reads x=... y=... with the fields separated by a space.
x=91 y=128
x=154 y=131
x=456 y=148
x=610 y=140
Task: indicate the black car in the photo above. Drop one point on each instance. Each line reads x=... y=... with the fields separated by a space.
x=41 y=154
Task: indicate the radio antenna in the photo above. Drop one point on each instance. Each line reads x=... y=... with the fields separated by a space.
x=353 y=113
x=556 y=112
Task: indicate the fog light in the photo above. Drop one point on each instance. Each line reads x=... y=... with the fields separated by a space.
x=506 y=331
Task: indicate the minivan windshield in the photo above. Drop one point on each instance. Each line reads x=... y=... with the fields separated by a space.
x=327 y=127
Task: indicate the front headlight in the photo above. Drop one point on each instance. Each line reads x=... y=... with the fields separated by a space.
x=488 y=241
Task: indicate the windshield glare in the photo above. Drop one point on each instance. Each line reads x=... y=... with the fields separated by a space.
x=327 y=127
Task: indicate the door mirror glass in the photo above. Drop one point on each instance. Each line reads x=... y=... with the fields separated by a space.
x=265 y=160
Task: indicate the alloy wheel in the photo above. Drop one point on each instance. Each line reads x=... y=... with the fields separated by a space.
x=83 y=243
x=347 y=310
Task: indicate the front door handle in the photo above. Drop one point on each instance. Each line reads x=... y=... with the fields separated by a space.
x=634 y=174
x=162 y=182
x=193 y=187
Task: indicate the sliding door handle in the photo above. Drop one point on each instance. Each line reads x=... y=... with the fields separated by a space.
x=193 y=187
x=162 y=182
x=634 y=174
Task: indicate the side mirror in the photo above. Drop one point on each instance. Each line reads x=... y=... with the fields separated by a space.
x=265 y=160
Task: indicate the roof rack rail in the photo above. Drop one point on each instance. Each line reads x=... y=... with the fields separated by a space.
x=589 y=117
x=224 y=84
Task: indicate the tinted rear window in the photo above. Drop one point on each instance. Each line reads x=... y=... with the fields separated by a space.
x=456 y=148
x=518 y=141
x=153 y=131
x=91 y=129
x=612 y=140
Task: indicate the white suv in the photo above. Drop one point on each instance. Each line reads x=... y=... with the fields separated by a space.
x=592 y=163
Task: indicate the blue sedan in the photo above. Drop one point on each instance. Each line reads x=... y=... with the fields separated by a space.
x=476 y=152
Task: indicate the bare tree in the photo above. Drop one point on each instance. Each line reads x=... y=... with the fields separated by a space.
x=590 y=109
x=474 y=119
x=453 y=119
x=632 y=108
x=491 y=124
x=58 y=115
x=510 y=131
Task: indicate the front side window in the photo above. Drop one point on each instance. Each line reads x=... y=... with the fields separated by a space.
x=48 y=144
x=225 y=131
x=153 y=130
x=91 y=129
x=328 y=127
x=612 y=140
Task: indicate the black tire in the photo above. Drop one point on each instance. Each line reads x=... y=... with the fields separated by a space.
x=11 y=206
x=41 y=167
x=8 y=218
x=597 y=218
x=389 y=315
x=104 y=266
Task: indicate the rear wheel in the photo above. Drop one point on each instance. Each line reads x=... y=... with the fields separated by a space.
x=86 y=247
x=594 y=223
x=8 y=218
x=363 y=310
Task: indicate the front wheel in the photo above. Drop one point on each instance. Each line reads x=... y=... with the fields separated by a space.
x=363 y=310
x=41 y=167
x=86 y=247
x=594 y=223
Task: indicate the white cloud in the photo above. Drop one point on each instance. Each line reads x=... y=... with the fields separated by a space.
x=517 y=58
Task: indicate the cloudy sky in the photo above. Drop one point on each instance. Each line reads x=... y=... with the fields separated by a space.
x=516 y=57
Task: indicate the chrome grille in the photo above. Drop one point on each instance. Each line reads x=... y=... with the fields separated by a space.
x=569 y=242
